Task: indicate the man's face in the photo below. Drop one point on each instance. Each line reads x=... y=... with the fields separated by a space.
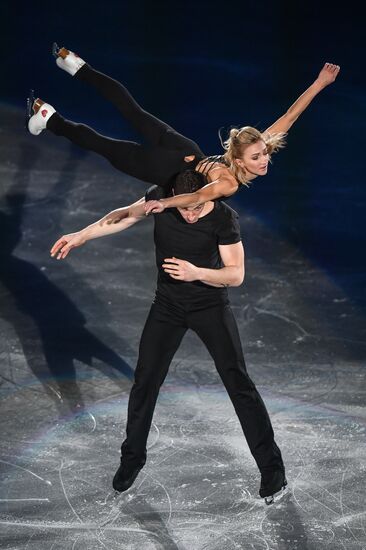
x=190 y=214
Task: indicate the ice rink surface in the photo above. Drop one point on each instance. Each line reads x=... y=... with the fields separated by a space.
x=69 y=341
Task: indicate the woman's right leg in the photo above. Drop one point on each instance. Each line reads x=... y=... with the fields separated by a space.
x=126 y=156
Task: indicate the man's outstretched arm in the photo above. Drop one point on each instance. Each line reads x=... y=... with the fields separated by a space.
x=127 y=216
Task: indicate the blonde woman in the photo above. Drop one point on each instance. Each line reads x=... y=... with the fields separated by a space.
x=166 y=153
x=247 y=153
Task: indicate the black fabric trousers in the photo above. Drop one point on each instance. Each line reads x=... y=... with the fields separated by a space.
x=154 y=162
x=216 y=327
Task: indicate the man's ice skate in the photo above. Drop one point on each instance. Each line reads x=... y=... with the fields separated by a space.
x=273 y=486
x=125 y=477
x=38 y=114
x=67 y=60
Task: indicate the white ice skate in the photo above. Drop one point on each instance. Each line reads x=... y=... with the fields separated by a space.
x=37 y=122
x=67 y=60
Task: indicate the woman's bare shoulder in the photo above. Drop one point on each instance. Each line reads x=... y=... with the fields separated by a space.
x=221 y=172
x=213 y=167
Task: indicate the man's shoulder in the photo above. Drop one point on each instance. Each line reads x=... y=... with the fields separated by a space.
x=227 y=224
x=225 y=211
x=155 y=193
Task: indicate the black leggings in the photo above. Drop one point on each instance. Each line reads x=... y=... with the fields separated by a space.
x=156 y=162
x=161 y=337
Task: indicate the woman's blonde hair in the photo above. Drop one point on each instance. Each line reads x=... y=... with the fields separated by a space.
x=239 y=138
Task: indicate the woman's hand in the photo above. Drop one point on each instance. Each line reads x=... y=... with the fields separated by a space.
x=181 y=269
x=154 y=207
x=328 y=74
x=62 y=247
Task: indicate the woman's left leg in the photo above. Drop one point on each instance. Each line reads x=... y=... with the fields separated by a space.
x=155 y=131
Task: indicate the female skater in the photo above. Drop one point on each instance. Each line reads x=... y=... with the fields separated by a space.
x=167 y=153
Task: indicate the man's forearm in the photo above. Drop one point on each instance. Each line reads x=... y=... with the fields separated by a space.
x=225 y=276
x=100 y=228
x=129 y=215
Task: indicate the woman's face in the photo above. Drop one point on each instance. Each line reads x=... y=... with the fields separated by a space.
x=254 y=159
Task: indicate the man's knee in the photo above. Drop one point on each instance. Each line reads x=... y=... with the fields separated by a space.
x=148 y=378
x=235 y=376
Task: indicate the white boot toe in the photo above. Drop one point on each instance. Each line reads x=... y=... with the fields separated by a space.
x=71 y=64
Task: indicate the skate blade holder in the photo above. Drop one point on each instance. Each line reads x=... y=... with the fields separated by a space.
x=272 y=499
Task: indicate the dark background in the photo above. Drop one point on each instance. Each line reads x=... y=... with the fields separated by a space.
x=202 y=66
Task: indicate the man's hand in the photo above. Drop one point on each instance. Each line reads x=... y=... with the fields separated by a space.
x=62 y=247
x=181 y=270
x=154 y=207
x=328 y=74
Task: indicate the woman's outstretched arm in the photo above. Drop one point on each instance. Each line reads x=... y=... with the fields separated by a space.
x=225 y=186
x=126 y=217
x=327 y=75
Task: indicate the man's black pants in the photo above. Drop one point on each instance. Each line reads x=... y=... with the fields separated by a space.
x=165 y=327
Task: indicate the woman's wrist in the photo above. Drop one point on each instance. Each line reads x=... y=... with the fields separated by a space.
x=166 y=202
x=319 y=85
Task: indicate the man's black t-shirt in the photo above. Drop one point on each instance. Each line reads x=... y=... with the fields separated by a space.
x=197 y=243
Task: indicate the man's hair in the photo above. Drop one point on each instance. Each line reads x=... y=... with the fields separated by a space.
x=188 y=181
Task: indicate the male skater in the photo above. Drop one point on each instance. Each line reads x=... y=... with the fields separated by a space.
x=198 y=254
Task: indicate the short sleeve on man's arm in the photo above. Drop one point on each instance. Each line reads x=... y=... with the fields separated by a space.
x=229 y=230
x=155 y=193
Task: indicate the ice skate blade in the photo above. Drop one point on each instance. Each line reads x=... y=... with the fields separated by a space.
x=29 y=107
x=55 y=50
x=276 y=497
